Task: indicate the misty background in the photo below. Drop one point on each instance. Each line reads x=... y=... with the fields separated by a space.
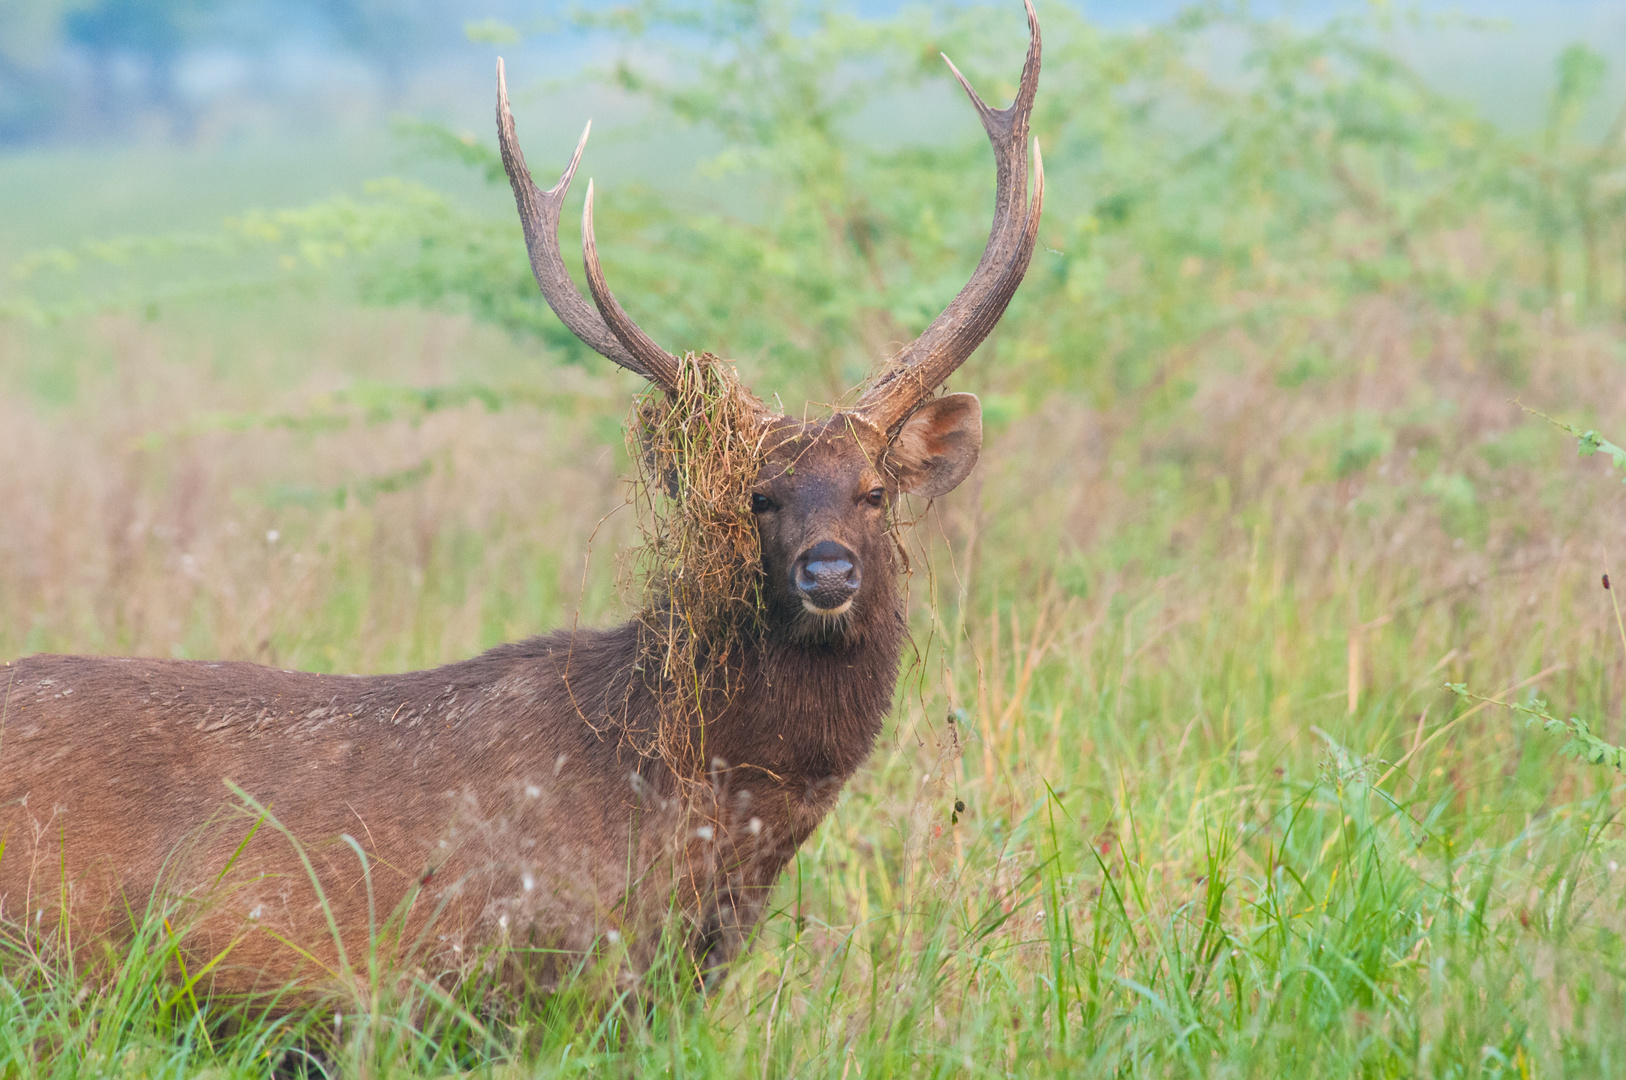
x=218 y=73
x=208 y=72
x=120 y=116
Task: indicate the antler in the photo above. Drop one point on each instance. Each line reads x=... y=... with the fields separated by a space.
x=661 y=365
x=924 y=364
x=607 y=331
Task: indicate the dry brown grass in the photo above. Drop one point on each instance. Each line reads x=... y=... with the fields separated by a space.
x=698 y=566
x=128 y=530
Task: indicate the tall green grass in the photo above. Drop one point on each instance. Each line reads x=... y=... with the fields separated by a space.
x=1175 y=786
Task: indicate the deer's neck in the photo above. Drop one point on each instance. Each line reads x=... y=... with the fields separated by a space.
x=809 y=712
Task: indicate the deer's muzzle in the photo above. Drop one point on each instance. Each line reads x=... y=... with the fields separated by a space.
x=826 y=576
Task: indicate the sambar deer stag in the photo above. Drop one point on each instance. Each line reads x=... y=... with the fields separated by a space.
x=514 y=810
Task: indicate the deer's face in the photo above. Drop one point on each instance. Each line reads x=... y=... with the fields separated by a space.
x=823 y=500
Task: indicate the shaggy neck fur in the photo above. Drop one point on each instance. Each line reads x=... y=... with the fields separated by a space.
x=798 y=703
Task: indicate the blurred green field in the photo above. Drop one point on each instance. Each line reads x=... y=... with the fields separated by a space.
x=1257 y=484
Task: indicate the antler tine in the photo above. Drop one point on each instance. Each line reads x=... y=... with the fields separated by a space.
x=925 y=363
x=539 y=217
x=661 y=365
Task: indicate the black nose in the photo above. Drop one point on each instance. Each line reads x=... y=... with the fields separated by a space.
x=826 y=575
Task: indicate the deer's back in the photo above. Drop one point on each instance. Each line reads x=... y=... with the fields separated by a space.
x=473 y=801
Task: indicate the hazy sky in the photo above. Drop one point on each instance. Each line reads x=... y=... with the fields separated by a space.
x=267 y=54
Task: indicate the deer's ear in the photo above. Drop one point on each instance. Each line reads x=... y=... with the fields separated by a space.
x=938 y=445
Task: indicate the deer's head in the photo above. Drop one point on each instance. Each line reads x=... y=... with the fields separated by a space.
x=822 y=498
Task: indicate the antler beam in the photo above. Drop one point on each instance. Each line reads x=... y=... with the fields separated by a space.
x=923 y=365
x=607 y=329
x=661 y=365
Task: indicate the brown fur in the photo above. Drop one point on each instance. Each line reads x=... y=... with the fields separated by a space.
x=492 y=801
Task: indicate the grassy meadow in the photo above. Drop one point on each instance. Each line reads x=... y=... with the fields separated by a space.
x=1174 y=786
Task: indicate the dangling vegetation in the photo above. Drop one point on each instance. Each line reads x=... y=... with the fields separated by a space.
x=698 y=568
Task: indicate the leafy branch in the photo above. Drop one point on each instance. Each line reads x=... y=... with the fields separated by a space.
x=1581 y=743
x=1590 y=442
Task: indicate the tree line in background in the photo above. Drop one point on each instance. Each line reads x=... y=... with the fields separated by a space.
x=1183 y=198
x=87 y=67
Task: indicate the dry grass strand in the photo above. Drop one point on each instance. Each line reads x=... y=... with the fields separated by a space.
x=697 y=452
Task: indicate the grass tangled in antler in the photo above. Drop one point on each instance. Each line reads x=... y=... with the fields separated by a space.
x=697 y=451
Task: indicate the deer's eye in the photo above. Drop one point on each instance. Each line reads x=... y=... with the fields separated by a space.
x=761 y=504
x=876 y=497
